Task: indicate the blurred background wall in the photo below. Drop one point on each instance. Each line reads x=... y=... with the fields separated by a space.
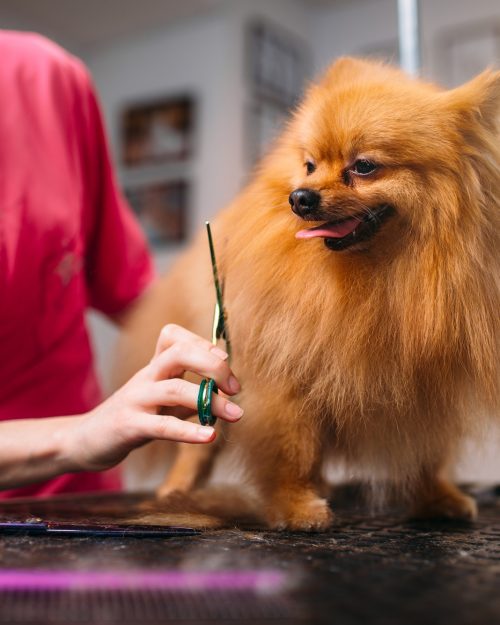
x=240 y=65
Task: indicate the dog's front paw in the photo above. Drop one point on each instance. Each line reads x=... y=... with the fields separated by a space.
x=452 y=505
x=311 y=514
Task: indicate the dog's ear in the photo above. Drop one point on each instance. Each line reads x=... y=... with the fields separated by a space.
x=479 y=98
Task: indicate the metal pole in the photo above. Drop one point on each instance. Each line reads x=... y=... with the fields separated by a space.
x=408 y=30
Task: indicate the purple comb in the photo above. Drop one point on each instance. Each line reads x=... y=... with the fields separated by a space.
x=263 y=581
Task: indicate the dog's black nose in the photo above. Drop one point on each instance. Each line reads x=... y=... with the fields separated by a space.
x=304 y=202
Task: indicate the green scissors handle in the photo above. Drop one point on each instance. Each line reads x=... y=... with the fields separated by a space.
x=207 y=387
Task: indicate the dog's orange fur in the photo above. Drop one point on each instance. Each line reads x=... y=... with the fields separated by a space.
x=385 y=355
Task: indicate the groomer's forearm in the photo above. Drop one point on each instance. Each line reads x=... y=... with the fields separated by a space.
x=33 y=450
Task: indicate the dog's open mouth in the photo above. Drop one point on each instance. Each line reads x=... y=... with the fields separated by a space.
x=343 y=233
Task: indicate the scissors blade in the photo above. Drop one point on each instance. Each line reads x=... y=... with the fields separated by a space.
x=219 y=328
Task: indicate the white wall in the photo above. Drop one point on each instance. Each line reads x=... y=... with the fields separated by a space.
x=460 y=19
x=352 y=28
x=10 y=20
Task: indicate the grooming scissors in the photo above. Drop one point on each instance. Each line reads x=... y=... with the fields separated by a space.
x=219 y=330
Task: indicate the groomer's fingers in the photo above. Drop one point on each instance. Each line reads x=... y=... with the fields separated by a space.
x=172 y=333
x=188 y=356
x=172 y=429
x=178 y=392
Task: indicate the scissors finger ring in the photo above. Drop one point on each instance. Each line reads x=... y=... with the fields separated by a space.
x=207 y=387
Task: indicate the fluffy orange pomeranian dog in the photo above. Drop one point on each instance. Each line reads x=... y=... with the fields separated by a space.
x=362 y=285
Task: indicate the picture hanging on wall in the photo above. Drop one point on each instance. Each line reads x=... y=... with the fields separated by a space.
x=157 y=155
x=157 y=131
x=277 y=68
x=161 y=208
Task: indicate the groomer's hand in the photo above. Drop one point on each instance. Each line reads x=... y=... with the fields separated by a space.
x=129 y=418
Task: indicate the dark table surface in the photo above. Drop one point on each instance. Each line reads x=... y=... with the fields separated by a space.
x=368 y=569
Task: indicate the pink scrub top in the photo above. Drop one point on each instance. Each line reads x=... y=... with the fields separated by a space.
x=68 y=241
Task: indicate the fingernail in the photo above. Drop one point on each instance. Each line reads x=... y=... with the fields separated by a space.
x=220 y=353
x=205 y=433
x=234 y=385
x=233 y=410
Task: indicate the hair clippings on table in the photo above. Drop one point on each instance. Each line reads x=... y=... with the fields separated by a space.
x=219 y=330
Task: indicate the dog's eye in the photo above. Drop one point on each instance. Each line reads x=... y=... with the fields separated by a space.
x=363 y=167
x=310 y=167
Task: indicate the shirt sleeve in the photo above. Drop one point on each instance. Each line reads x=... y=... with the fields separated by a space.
x=118 y=263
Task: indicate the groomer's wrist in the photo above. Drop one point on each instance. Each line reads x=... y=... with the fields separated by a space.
x=67 y=444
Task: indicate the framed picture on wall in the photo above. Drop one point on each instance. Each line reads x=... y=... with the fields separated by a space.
x=277 y=64
x=162 y=210
x=157 y=131
x=157 y=154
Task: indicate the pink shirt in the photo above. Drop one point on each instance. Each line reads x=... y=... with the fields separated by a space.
x=67 y=240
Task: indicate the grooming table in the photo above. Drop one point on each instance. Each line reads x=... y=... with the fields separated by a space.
x=368 y=569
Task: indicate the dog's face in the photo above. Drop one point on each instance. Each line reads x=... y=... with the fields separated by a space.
x=379 y=157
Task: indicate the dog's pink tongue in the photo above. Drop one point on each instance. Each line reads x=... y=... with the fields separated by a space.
x=334 y=231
